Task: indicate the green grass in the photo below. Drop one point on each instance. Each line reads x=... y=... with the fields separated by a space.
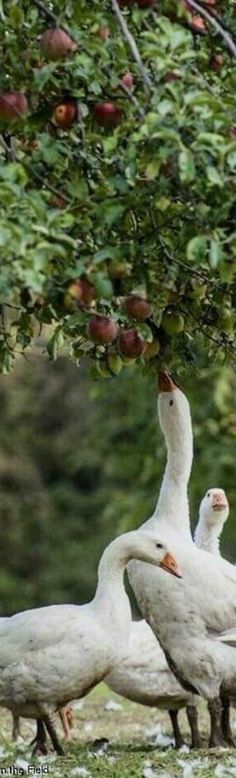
x=130 y=753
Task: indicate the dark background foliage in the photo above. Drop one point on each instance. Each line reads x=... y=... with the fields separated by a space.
x=82 y=461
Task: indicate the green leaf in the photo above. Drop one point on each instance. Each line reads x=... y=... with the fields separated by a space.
x=55 y=343
x=215 y=253
x=113 y=213
x=186 y=166
x=152 y=169
x=214 y=176
x=197 y=249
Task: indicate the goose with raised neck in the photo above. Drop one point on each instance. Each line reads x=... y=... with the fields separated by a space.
x=175 y=422
x=186 y=618
x=144 y=676
x=50 y=656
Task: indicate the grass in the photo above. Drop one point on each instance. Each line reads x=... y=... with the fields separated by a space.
x=131 y=752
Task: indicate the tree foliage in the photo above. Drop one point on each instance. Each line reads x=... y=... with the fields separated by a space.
x=143 y=203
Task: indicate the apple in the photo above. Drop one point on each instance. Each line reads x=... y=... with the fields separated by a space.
x=12 y=104
x=171 y=75
x=172 y=322
x=118 y=269
x=137 y=306
x=130 y=343
x=108 y=114
x=128 y=80
x=57 y=202
x=152 y=349
x=102 y=329
x=198 y=289
x=65 y=113
x=82 y=291
x=197 y=24
x=217 y=62
x=104 y=33
x=55 y=43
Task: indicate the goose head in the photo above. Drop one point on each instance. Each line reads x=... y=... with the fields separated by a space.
x=149 y=547
x=214 y=507
x=174 y=415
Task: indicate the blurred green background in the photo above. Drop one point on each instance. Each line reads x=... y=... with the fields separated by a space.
x=82 y=460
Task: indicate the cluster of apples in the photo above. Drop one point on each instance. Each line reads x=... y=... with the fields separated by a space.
x=56 y=43
x=123 y=345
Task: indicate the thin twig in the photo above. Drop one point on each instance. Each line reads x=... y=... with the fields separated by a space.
x=133 y=46
x=41 y=179
x=215 y=23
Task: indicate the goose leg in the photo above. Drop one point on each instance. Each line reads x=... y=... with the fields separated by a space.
x=15 y=726
x=66 y=717
x=225 y=722
x=192 y=717
x=179 y=742
x=216 y=736
x=39 y=742
x=53 y=735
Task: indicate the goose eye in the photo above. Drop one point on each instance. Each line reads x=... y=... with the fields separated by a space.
x=208 y=494
x=159 y=545
x=171 y=402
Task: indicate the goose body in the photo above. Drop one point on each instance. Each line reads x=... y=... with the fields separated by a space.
x=186 y=617
x=144 y=675
x=50 y=656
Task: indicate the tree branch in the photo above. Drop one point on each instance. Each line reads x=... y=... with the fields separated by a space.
x=229 y=42
x=198 y=273
x=132 y=45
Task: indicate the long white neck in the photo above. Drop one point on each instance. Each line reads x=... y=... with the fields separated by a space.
x=207 y=536
x=111 y=601
x=172 y=505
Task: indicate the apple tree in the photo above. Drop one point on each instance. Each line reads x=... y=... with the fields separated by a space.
x=117 y=181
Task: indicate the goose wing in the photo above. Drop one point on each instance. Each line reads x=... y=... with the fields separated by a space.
x=34 y=630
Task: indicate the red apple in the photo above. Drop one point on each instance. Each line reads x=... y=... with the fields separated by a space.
x=171 y=75
x=137 y=306
x=12 y=105
x=128 y=80
x=65 y=114
x=82 y=290
x=197 y=24
x=102 y=329
x=130 y=343
x=217 y=62
x=57 y=202
x=55 y=43
x=108 y=114
x=104 y=33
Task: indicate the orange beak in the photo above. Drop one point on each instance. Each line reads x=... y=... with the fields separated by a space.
x=219 y=506
x=165 y=383
x=169 y=563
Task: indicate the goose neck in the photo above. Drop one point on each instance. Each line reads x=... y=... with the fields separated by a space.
x=208 y=538
x=110 y=594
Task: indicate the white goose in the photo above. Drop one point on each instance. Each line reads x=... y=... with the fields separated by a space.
x=186 y=617
x=144 y=675
x=213 y=514
x=50 y=656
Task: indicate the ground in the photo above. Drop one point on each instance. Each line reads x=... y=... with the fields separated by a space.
x=138 y=745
